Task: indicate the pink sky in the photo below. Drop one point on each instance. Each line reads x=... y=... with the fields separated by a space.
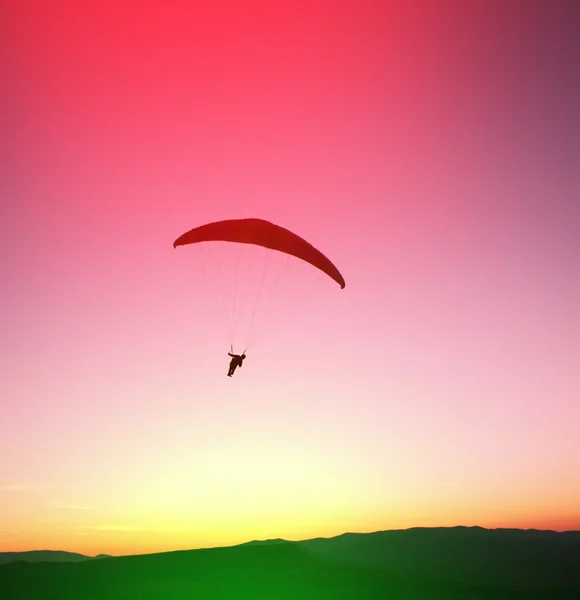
x=429 y=149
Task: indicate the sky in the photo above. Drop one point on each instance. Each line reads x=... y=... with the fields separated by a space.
x=429 y=149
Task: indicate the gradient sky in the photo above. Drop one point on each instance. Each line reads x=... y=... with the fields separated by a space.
x=430 y=149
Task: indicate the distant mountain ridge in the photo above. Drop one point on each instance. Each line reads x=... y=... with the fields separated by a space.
x=266 y=542
x=35 y=556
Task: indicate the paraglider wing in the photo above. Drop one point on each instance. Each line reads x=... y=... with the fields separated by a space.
x=262 y=233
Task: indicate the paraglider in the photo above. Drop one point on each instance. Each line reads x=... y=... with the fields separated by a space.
x=261 y=233
x=236 y=361
x=267 y=235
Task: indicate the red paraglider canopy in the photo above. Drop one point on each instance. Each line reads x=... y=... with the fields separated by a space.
x=262 y=233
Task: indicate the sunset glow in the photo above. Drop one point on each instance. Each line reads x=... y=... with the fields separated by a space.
x=429 y=149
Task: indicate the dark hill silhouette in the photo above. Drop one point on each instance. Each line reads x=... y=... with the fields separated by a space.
x=34 y=556
x=449 y=564
x=266 y=542
x=473 y=555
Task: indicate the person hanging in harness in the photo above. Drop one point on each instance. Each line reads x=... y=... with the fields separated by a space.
x=236 y=361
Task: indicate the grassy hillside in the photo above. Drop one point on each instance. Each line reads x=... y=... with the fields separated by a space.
x=353 y=567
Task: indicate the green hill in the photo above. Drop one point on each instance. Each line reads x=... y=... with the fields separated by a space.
x=421 y=564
